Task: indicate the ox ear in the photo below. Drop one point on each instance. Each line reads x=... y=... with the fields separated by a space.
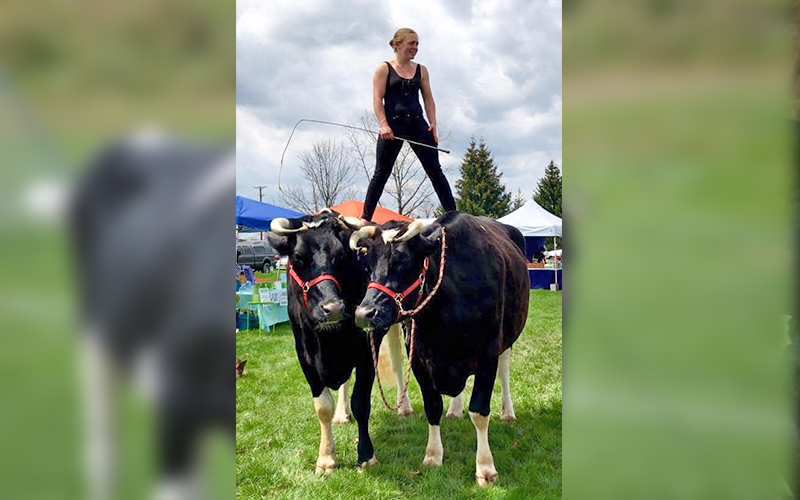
x=282 y=233
x=283 y=244
x=430 y=242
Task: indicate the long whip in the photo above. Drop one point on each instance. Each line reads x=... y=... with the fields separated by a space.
x=345 y=126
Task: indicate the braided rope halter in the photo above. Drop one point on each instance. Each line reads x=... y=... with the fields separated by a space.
x=398 y=300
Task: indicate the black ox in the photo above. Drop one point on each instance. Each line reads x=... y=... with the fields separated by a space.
x=470 y=323
x=326 y=283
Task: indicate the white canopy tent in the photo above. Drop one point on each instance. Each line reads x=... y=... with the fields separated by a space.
x=533 y=220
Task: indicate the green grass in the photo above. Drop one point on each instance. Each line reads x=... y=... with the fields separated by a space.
x=277 y=432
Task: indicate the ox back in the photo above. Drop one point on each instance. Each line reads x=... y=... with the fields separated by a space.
x=482 y=304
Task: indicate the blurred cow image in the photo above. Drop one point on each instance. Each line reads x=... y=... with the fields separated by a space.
x=154 y=244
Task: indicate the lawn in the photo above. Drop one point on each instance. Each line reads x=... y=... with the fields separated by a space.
x=277 y=432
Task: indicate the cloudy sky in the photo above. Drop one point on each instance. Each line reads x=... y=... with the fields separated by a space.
x=495 y=68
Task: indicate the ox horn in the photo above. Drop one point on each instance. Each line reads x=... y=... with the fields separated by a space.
x=413 y=229
x=352 y=223
x=364 y=232
x=280 y=226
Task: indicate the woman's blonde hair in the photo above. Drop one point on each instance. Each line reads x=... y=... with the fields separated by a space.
x=400 y=37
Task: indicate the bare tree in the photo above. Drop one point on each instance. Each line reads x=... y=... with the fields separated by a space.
x=329 y=174
x=409 y=187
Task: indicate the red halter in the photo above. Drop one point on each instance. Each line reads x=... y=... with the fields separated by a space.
x=399 y=297
x=306 y=285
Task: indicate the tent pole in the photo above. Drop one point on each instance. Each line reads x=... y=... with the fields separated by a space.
x=555 y=261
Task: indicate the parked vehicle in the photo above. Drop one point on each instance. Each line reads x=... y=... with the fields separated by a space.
x=257 y=254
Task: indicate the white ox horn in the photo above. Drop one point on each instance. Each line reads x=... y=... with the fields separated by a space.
x=413 y=229
x=352 y=223
x=364 y=232
x=280 y=227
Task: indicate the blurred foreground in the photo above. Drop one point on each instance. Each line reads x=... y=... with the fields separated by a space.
x=68 y=96
x=680 y=195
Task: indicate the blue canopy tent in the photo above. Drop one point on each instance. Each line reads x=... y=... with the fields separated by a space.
x=253 y=216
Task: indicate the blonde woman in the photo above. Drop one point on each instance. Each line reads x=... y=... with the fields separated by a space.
x=396 y=86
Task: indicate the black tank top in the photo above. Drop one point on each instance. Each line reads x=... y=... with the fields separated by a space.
x=402 y=95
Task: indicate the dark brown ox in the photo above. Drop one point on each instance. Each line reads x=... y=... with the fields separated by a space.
x=467 y=327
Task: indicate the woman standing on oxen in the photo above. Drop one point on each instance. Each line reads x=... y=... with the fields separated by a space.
x=396 y=85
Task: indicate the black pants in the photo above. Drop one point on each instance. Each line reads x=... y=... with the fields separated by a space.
x=416 y=129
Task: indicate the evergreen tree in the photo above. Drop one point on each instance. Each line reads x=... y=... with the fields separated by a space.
x=479 y=191
x=548 y=190
x=518 y=201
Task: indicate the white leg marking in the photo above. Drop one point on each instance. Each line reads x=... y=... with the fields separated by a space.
x=434 y=451
x=98 y=383
x=507 y=409
x=395 y=339
x=342 y=415
x=485 y=472
x=323 y=405
x=456 y=408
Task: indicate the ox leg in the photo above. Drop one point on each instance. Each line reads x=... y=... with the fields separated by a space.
x=479 y=408
x=456 y=408
x=99 y=381
x=395 y=336
x=323 y=405
x=361 y=405
x=507 y=409
x=342 y=415
x=434 y=451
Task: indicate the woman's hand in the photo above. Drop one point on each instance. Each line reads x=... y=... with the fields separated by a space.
x=386 y=132
x=432 y=130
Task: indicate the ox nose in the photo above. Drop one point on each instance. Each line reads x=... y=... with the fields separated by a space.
x=364 y=315
x=333 y=310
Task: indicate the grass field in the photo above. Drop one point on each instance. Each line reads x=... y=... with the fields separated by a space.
x=277 y=432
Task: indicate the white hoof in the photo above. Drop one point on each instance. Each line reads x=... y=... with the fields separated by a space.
x=341 y=418
x=366 y=465
x=432 y=459
x=508 y=417
x=456 y=407
x=405 y=407
x=486 y=476
x=325 y=464
x=507 y=413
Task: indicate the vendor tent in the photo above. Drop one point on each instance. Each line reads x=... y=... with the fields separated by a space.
x=533 y=220
x=355 y=208
x=535 y=223
x=254 y=216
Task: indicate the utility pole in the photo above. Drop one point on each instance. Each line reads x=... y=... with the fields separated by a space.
x=260 y=188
